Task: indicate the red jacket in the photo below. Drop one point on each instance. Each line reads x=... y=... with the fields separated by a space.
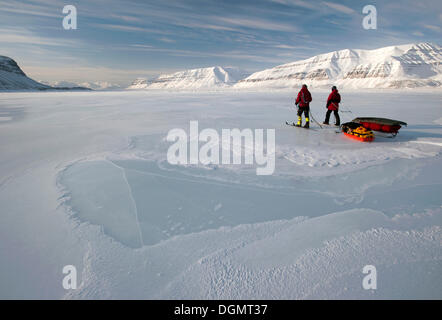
x=304 y=98
x=333 y=100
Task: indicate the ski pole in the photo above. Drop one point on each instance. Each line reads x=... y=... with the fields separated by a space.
x=347 y=110
x=311 y=115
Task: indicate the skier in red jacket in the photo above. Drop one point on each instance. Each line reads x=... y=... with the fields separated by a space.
x=303 y=102
x=333 y=105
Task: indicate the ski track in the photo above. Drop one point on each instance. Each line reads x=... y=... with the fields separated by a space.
x=327 y=157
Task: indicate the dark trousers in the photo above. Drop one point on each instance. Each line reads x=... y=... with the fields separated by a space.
x=335 y=112
x=304 y=110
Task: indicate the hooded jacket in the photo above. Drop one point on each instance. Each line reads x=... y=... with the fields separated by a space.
x=333 y=100
x=304 y=98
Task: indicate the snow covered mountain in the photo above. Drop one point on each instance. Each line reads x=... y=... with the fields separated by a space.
x=100 y=85
x=203 y=78
x=59 y=84
x=97 y=85
x=13 y=78
x=140 y=83
x=403 y=66
x=412 y=65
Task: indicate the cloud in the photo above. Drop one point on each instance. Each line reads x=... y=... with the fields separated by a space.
x=237 y=55
x=29 y=9
x=285 y=46
x=126 y=18
x=339 y=7
x=207 y=26
x=32 y=12
x=141 y=46
x=289 y=47
x=432 y=27
x=418 y=33
x=77 y=74
x=27 y=37
x=167 y=40
x=126 y=28
x=257 y=24
x=298 y=3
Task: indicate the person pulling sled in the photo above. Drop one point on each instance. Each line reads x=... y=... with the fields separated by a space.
x=333 y=106
x=303 y=103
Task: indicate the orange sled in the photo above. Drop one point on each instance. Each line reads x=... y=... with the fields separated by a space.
x=363 y=139
x=357 y=131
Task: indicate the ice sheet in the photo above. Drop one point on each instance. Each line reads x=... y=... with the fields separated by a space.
x=83 y=181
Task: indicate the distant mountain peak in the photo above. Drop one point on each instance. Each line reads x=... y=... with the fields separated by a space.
x=200 y=78
x=97 y=85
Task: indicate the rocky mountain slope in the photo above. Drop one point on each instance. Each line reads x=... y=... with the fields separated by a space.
x=412 y=65
x=13 y=78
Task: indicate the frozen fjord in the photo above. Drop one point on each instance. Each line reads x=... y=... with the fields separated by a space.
x=84 y=181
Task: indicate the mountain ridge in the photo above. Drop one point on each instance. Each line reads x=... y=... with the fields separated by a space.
x=401 y=66
x=410 y=65
x=199 y=78
x=12 y=78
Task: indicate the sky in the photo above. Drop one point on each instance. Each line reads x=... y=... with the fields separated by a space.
x=120 y=40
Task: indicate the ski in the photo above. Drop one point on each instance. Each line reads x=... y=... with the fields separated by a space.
x=330 y=125
x=293 y=125
x=335 y=128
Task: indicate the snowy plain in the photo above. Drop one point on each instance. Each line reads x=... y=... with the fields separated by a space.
x=84 y=181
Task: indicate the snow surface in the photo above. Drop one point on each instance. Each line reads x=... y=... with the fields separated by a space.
x=84 y=181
